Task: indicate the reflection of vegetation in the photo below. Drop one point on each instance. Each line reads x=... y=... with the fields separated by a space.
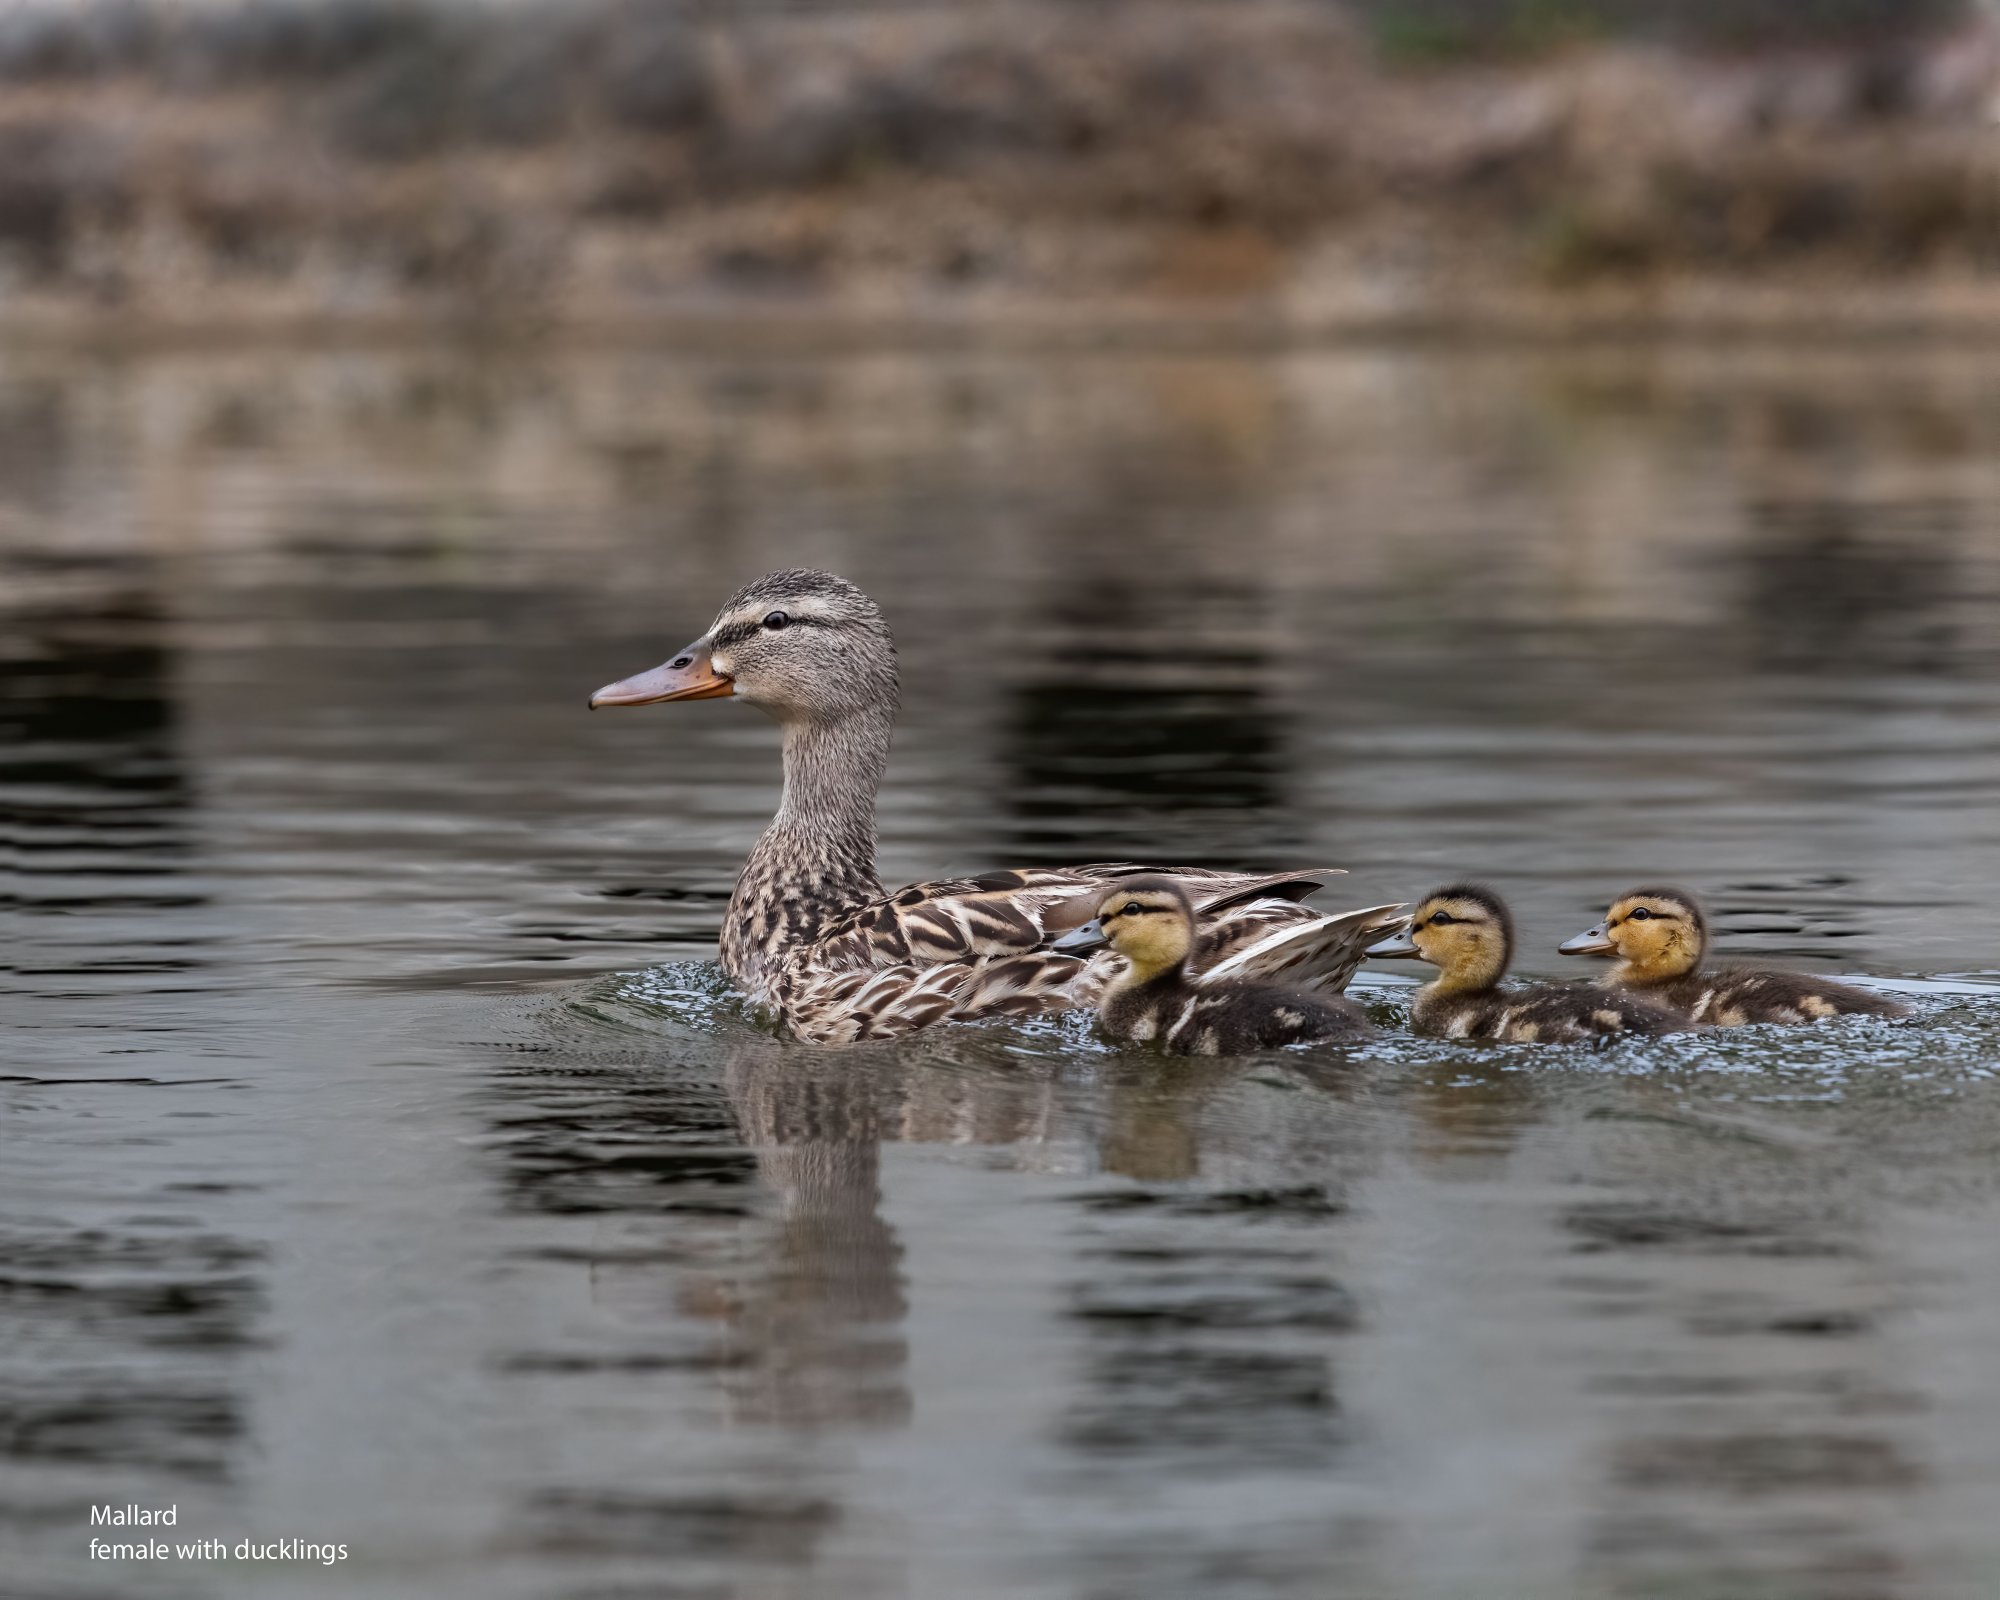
x=1769 y=208
x=1425 y=31
x=1419 y=34
x=372 y=154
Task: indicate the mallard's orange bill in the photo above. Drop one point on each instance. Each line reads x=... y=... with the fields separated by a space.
x=1591 y=942
x=691 y=675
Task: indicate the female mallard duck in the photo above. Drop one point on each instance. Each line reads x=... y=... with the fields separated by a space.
x=1466 y=932
x=1151 y=923
x=809 y=930
x=1660 y=937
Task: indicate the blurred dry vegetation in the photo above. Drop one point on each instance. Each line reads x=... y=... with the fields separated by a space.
x=235 y=160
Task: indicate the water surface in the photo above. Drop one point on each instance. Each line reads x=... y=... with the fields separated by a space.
x=386 y=1162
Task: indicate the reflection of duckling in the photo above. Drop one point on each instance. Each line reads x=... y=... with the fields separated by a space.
x=1150 y=922
x=1660 y=936
x=1466 y=932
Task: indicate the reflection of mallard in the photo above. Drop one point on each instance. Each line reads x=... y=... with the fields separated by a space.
x=1466 y=933
x=1660 y=938
x=809 y=929
x=1150 y=923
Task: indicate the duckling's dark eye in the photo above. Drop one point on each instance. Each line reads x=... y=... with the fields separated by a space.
x=1132 y=909
x=1640 y=914
x=1440 y=918
x=774 y=620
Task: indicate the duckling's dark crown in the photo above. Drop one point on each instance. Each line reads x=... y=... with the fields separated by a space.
x=1154 y=887
x=1679 y=897
x=1480 y=896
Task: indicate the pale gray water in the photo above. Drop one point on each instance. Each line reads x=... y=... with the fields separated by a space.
x=385 y=1163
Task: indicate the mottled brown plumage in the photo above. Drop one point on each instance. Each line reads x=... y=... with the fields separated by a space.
x=809 y=929
x=1466 y=931
x=1659 y=938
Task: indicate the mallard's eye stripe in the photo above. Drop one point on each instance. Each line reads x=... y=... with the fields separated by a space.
x=736 y=632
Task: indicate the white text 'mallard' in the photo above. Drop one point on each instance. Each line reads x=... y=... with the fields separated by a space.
x=134 y=1517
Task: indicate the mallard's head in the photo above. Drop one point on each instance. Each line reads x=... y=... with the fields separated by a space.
x=1656 y=934
x=1150 y=922
x=807 y=647
x=1464 y=931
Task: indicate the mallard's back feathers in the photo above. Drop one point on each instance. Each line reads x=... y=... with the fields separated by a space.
x=1313 y=951
x=1257 y=938
x=1021 y=909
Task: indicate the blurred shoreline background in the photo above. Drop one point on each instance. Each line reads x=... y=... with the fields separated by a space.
x=1182 y=168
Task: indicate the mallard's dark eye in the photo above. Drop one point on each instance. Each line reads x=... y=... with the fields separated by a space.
x=774 y=620
x=1132 y=909
x=1640 y=914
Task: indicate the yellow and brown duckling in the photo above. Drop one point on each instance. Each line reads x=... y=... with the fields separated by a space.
x=1465 y=931
x=1151 y=923
x=1659 y=938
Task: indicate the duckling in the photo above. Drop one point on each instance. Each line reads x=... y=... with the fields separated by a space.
x=1465 y=931
x=1151 y=923
x=1659 y=937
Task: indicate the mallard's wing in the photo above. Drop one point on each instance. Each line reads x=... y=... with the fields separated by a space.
x=1275 y=942
x=883 y=1002
x=1021 y=910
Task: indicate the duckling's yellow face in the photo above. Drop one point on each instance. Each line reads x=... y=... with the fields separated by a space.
x=1465 y=937
x=1654 y=936
x=1153 y=929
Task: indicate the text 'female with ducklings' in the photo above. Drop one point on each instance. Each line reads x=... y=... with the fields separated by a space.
x=1466 y=932
x=1660 y=938
x=1151 y=923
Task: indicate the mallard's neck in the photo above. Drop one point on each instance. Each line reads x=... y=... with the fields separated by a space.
x=832 y=773
x=817 y=858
